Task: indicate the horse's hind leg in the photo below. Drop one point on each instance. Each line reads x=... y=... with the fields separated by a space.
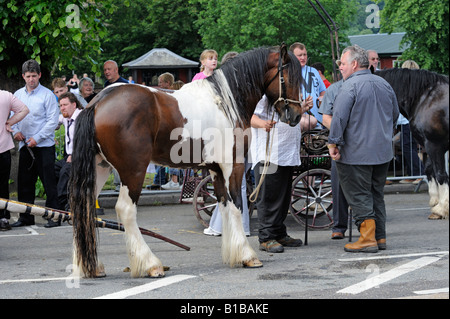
x=142 y=260
x=437 y=184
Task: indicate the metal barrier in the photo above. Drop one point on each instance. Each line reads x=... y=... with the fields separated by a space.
x=407 y=163
x=407 y=151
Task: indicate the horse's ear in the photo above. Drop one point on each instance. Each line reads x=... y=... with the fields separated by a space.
x=284 y=53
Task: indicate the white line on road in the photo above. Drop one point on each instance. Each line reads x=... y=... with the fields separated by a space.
x=147 y=287
x=395 y=256
x=431 y=291
x=374 y=281
x=31 y=230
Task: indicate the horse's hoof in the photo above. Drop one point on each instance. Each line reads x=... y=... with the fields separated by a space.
x=434 y=216
x=253 y=263
x=100 y=271
x=156 y=272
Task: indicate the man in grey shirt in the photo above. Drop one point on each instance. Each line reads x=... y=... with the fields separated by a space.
x=365 y=112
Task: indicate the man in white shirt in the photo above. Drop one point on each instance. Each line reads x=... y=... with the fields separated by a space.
x=36 y=136
x=70 y=109
x=275 y=193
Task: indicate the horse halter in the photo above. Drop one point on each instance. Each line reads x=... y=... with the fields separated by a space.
x=282 y=90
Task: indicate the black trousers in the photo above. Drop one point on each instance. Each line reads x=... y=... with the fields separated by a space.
x=62 y=172
x=42 y=166
x=5 y=169
x=363 y=186
x=340 y=206
x=273 y=201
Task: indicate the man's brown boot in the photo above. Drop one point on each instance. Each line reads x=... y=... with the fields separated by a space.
x=366 y=242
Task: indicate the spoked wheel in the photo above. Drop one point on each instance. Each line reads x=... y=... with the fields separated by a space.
x=312 y=199
x=204 y=201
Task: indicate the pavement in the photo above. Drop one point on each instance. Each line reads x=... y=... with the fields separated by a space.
x=107 y=199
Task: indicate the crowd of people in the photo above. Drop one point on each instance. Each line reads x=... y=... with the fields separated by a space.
x=359 y=146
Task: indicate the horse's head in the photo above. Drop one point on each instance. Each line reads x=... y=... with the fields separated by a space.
x=282 y=83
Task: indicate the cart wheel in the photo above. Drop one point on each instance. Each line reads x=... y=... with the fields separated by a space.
x=204 y=201
x=313 y=199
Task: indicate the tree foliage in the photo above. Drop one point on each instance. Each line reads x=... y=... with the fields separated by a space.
x=54 y=33
x=143 y=25
x=238 y=25
x=426 y=23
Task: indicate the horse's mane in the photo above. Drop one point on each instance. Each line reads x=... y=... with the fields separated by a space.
x=410 y=84
x=244 y=70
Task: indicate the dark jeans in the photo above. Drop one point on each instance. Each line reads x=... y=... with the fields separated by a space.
x=5 y=169
x=62 y=172
x=42 y=166
x=273 y=202
x=340 y=206
x=363 y=187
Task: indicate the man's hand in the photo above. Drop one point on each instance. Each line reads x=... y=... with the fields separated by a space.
x=31 y=142
x=19 y=137
x=307 y=104
x=334 y=153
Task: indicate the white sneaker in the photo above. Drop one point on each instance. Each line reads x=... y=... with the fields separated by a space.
x=171 y=185
x=210 y=232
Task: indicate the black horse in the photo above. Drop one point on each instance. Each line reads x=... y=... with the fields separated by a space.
x=423 y=99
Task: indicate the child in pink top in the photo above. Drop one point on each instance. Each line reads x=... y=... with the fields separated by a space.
x=208 y=59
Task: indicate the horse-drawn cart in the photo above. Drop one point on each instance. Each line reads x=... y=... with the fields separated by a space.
x=311 y=201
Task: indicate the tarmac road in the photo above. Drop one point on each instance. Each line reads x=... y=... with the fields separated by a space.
x=36 y=262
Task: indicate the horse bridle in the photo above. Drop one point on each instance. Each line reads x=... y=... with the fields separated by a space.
x=282 y=90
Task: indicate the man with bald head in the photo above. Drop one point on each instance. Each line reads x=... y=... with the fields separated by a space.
x=111 y=72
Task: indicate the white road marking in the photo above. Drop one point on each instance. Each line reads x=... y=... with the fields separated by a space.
x=395 y=256
x=375 y=281
x=431 y=291
x=147 y=287
x=31 y=232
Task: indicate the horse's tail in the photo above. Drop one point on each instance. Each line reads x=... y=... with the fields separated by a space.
x=83 y=194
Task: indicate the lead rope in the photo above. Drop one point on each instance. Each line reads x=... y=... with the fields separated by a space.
x=269 y=141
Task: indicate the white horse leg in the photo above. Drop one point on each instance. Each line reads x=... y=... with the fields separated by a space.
x=441 y=208
x=433 y=192
x=236 y=249
x=142 y=261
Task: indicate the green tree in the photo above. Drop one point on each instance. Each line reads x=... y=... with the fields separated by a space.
x=426 y=23
x=143 y=25
x=54 y=33
x=239 y=25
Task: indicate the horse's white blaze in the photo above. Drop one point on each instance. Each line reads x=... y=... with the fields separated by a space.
x=141 y=257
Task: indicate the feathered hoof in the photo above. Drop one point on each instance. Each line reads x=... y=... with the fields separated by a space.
x=100 y=271
x=434 y=216
x=253 y=263
x=156 y=272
